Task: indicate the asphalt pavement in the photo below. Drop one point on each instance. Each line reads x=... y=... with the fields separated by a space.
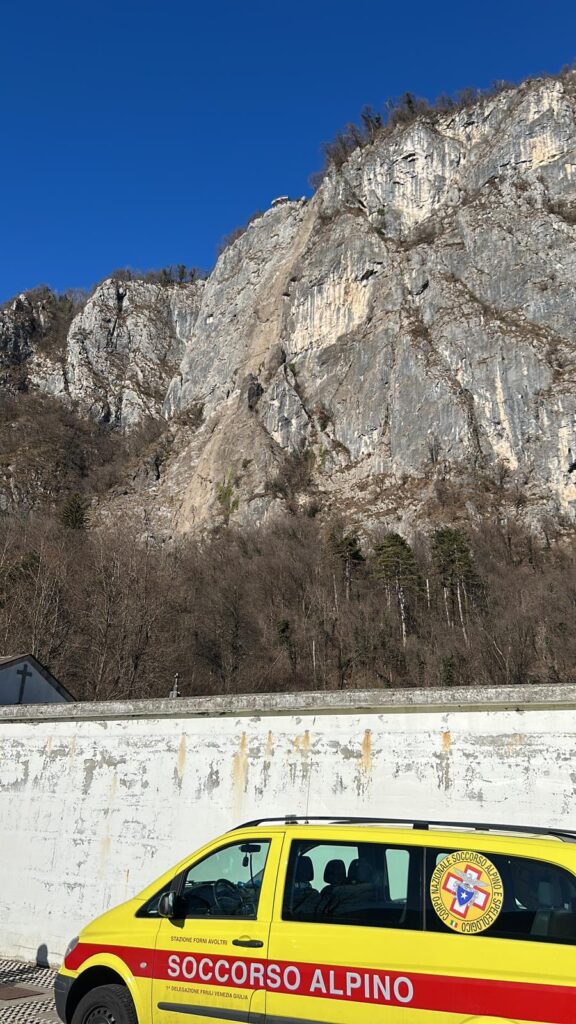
x=26 y=993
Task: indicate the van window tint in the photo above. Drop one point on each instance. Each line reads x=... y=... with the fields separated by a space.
x=539 y=900
x=369 y=884
x=227 y=882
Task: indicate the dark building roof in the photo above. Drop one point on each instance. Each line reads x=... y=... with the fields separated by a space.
x=23 y=680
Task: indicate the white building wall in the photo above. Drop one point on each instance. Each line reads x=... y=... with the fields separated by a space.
x=97 y=800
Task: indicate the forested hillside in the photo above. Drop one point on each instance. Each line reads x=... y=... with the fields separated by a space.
x=292 y=605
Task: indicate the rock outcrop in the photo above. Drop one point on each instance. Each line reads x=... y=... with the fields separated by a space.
x=124 y=347
x=405 y=338
x=33 y=336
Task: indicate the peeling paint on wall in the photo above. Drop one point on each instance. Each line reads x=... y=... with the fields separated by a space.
x=212 y=779
x=444 y=760
x=105 y=847
x=113 y=787
x=266 y=764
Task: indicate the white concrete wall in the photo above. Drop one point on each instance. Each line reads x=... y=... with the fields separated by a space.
x=97 y=800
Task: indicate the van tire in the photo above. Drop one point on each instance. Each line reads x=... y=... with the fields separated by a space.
x=107 y=1004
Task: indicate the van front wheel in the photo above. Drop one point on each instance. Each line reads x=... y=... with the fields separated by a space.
x=108 y=1004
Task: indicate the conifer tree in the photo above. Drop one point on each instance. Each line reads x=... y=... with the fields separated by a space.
x=454 y=564
x=74 y=514
x=395 y=564
x=347 y=547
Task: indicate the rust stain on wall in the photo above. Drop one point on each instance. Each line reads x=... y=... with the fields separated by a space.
x=269 y=745
x=366 y=758
x=363 y=771
x=299 y=758
x=181 y=762
x=105 y=844
x=444 y=760
x=240 y=770
x=514 y=741
x=113 y=787
x=302 y=743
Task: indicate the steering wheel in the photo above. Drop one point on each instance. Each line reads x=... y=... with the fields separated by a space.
x=228 y=897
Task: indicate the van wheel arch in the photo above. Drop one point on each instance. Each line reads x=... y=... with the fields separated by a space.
x=94 y=977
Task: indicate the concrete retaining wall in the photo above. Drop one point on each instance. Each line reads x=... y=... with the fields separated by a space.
x=98 y=799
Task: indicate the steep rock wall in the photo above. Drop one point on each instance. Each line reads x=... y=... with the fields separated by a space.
x=124 y=347
x=422 y=323
x=408 y=331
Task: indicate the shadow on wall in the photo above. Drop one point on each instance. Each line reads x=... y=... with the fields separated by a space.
x=42 y=955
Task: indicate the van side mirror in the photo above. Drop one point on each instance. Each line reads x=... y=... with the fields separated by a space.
x=172 y=906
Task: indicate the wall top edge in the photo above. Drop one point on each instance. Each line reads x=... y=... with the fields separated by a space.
x=416 y=701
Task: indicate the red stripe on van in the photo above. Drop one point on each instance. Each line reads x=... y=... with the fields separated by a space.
x=522 y=1001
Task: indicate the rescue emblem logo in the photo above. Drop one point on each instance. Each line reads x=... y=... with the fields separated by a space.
x=466 y=892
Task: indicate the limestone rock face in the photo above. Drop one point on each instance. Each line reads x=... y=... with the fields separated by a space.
x=413 y=323
x=124 y=347
x=33 y=330
x=402 y=342
x=19 y=321
x=114 y=359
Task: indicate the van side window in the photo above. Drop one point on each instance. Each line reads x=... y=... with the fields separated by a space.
x=539 y=902
x=227 y=882
x=370 y=884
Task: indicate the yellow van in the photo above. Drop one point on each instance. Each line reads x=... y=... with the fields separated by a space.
x=340 y=921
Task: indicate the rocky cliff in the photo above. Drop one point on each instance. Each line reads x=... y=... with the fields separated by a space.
x=403 y=341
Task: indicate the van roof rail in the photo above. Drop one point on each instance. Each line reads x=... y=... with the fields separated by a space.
x=567 y=835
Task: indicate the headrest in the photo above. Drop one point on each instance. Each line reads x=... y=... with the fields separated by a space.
x=549 y=894
x=353 y=870
x=304 y=870
x=360 y=871
x=335 y=872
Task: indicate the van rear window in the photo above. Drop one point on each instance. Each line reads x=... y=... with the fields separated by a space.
x=369 y=884
x=539 y=900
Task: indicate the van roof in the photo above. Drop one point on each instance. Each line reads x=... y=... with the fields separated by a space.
x=566 y=835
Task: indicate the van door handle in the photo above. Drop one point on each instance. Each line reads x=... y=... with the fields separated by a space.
x=251 y=943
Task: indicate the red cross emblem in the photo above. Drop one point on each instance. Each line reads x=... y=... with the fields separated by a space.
x=464 y=887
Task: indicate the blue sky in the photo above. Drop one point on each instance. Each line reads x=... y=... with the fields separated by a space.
x=139 y=133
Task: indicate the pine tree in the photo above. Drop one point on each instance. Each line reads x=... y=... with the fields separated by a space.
x=347 y=547
x=395 y=564
x=74 y=514
x=454 y=564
